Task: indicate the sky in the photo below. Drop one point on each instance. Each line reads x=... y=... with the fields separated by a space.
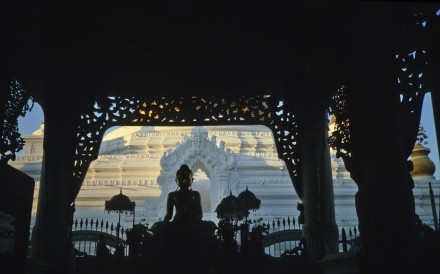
x=33 y=119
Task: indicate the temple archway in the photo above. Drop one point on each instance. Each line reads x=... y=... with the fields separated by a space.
x=202 y=184
x=199 y=153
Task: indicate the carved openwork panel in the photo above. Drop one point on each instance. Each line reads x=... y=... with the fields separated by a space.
x=340 y=138
x=188 y=111
x=17 y=102
x=411 y=60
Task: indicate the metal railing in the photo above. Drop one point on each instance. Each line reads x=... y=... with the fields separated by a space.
x=85 y=235
x=283 y=235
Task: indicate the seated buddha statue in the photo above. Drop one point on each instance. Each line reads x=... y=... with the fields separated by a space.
x=185 y=201
x=183 y=236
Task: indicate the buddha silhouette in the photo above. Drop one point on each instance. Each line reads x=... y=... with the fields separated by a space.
x=183 y=236
x=186 y=201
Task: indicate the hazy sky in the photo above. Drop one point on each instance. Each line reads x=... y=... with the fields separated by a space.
x=33 y=120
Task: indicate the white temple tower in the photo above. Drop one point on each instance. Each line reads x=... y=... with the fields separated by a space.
x=142 y=161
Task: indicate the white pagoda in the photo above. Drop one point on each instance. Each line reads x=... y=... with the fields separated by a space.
x=142 y=162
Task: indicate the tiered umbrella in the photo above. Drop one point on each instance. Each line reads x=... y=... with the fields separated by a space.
x=248 y=200
x=120 y=203
x=233 y=207
x=230 y=207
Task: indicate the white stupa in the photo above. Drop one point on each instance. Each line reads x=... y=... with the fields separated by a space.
x=142 y=161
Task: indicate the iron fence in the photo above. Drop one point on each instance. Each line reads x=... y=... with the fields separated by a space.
x=282 y=235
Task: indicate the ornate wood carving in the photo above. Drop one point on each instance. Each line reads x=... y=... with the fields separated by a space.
x=188 y=111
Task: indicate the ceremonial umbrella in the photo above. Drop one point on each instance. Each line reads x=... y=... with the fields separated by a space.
x=120 y=203
x=249 y=201
x=230 y=207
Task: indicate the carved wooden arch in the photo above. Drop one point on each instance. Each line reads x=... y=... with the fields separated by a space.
x=268 y=110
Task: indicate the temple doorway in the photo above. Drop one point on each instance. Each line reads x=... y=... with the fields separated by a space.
x=203 y=185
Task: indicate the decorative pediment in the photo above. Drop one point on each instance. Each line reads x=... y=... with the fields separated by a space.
x=197 y=150
x=200 y=153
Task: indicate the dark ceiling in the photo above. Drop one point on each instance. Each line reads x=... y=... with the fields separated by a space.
x=191 y=47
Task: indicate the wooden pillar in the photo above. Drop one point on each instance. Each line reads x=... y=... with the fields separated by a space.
x=319 y=230
x=50 y=243
x=384 y=201
x=327 y=201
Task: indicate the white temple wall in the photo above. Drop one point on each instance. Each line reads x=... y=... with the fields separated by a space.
x=229 y=159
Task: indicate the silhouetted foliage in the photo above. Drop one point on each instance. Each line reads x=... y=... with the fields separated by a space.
x=17 y=104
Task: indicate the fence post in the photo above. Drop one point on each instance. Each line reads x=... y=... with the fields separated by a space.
x=434 y=212
x=344 y=240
